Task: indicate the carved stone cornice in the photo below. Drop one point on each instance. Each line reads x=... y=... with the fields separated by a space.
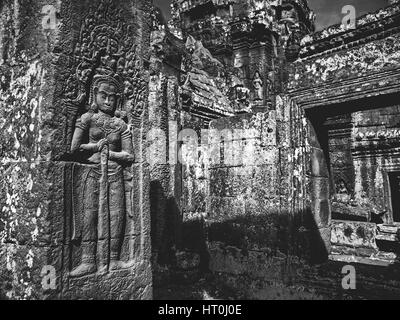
x=356 y=88
x=384 y=142
x=374 y=151
x=243 y=19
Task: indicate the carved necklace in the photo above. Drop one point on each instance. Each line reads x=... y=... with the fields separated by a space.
x=107 y=124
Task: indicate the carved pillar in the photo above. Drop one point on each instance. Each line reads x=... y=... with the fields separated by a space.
x=49 y=71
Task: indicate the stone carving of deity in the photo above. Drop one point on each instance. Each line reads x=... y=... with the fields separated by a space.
x=104 y=143
x=238 y=90
x=258 y=87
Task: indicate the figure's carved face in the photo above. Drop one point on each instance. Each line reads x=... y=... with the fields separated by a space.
x=106 y=97
x=289 y=13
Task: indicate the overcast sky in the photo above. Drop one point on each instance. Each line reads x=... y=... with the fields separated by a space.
x=328 y=11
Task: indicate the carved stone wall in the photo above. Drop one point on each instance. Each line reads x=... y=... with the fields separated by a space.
x=165 y=119
x=51 y=53
x=272 y=229
x=261 y=222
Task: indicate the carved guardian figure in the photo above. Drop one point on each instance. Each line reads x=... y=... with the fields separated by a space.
x=258 y=87
x=103 y=141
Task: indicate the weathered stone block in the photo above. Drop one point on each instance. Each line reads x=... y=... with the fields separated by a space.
x=240 y=122
x=266 y=156
x=194 y=195
x=239 y=181
x=218 y=181
x=282 y=108
x=319 y=188
x=259 y=204
x=233 y=152
x=24 y=271
x=32 y=203
x=354 y=234
x=313 y=138
x=251 y=149
x=252 y=231
x=283 y=132
x=322 y=212
x=225 y=208
x=269 y=130
x=318 y=165
x=266 y=178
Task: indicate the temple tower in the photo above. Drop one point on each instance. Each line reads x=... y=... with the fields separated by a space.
x=253 y=39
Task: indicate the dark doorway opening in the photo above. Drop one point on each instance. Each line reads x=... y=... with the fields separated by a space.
x=394 y=181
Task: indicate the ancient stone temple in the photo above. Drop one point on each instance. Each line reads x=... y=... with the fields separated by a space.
x=231 y=152
x=295 y=171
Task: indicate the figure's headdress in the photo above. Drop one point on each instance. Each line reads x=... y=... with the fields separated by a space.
x=107 y=42
x=107 y=74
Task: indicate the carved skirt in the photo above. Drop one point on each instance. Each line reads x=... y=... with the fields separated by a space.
x=97 y=214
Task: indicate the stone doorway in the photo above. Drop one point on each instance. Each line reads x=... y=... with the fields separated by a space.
x=394 y=182
x=358 y=147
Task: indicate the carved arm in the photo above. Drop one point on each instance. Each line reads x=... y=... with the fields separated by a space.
x=126 y=153
x=77 y=145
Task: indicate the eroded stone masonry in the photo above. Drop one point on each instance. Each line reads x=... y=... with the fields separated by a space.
x=232 y=152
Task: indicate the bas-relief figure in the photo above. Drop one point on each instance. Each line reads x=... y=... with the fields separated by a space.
x=258 y=87
x=103 y=141
x=104 y=89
